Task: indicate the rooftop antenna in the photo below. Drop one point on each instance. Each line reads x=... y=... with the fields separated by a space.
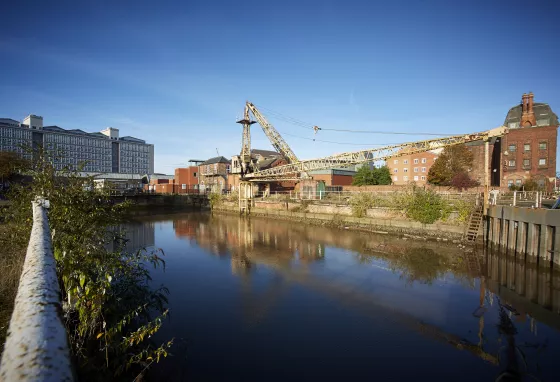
x=217 y=152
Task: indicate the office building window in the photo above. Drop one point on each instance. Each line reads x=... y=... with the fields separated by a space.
x=423 y=178
x=396 y=161
x=518 y=182
x=395 y=170
x=512 y=148
x=416 y=178
x=423 y=169
x=405 y=169
x=527 y=147
x=423 y=160
x=511 y=163
x=415 y=161
x=542 y=162
x=415 y=169
x=542 y=146
x=395 y=178
x=405 y=161
x=526 y=163
x=510 y=182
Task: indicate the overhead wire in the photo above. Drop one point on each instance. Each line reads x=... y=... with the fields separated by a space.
x=340 y=143
x=307 y=125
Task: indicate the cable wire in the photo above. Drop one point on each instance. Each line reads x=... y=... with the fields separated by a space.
x=340 y=143
x=308 y=125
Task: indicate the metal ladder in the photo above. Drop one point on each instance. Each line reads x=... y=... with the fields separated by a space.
x=475 y=221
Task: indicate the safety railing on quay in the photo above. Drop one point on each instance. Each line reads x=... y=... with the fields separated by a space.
x=37 y=345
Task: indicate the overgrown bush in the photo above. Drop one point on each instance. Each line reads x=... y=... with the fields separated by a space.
x=111 y=309
x=215 y=199
x=361 y=202
x=424 y=206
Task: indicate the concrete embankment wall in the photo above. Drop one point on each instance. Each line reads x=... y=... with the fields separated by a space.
x=534 y=233
x=37 y=345
x=377 y=220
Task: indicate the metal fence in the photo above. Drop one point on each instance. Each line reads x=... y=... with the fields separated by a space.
x=37 y=345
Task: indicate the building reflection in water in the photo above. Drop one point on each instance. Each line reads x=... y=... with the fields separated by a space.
x=518 y=290
x=138 y=236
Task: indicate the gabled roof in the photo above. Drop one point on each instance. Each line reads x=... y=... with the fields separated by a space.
x=265 y=153
x=219 y=159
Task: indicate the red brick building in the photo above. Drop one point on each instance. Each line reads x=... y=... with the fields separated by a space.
x=527 y=150
x=411 y=168
x=186 y=179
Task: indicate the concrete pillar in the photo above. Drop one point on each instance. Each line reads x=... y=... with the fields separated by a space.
x=532 y=241
x=521 y=238
x=545 y=245
x=486 y=175
x=556 y=245
x=511 y=234
x=504 y=233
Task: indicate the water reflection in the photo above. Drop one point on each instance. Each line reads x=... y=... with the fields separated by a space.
x=480 y=303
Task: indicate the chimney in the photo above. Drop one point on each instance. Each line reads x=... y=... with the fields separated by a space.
x=530 y=98
x=527 y=116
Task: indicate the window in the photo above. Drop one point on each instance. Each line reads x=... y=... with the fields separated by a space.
x=423 y=177
x=396 y=161
x=542 y=162
x=415 y=169
x=405 y=169
x=510 y=182
x=395 y=170
x=423 y=160
x=542 y=146
x=512 y=148
x=405 y=161
x=423 y=169
x=415 y=161
x=416 y=178
x=194 y=174
x=395 y=178
x=511 y=163
x=527 y=147
x=540 y=182
x=405 y=178
x=526 y=163
x=518 y=182
x=513 y=125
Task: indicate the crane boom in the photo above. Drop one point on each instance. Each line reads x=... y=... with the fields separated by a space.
x=275 y=138
x=293 y=170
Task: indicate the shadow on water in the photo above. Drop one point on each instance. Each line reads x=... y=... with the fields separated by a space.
x=486 y=304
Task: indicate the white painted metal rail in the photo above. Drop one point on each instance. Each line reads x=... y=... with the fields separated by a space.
x=37 y=345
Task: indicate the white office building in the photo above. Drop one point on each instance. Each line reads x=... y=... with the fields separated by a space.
x=101 y=152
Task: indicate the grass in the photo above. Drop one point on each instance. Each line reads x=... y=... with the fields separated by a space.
x=11 y=264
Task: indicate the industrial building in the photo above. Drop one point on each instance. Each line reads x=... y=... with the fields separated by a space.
x=100 y=152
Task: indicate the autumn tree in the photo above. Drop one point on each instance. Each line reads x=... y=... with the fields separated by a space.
x=453 y=160
x=371 y=177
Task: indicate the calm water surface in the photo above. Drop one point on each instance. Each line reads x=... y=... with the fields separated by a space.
x=263 y=300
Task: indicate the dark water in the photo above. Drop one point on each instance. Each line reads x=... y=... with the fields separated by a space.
x=265 y=300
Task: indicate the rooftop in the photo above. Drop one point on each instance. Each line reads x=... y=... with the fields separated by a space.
x=543 y=114
x=219 y=159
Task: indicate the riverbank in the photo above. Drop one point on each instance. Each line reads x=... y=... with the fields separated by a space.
x=378 y=223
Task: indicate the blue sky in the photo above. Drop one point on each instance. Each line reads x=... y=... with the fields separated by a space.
x=177 y=74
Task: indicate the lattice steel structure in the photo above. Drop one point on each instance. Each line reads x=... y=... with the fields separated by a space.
x=294 y=170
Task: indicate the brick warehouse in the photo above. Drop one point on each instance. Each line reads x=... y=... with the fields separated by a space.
x=527 y=150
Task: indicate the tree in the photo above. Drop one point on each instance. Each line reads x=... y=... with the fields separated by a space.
x=371 y=177
x=452 y=161
x=111 y=308
x=461 y=181
x=11 y=163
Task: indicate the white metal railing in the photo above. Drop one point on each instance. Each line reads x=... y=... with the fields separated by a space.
x=37 y=345
x=519 y=198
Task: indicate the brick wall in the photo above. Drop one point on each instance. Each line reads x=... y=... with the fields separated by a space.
x=520 y=164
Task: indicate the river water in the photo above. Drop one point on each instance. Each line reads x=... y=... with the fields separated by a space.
x=264 y=300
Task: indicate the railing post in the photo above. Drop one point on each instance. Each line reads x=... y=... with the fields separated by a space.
x=37 y=345
x=514 y=198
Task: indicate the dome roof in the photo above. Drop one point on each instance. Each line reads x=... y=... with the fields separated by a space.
x=543 y=114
